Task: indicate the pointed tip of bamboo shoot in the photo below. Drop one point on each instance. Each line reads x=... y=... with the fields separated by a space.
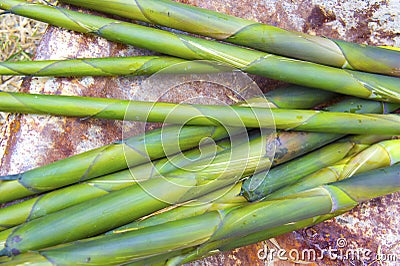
x=9 y=177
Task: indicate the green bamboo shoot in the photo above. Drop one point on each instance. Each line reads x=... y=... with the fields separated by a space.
x=252 y=34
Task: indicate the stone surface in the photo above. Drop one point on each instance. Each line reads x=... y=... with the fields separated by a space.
x=28 y=141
